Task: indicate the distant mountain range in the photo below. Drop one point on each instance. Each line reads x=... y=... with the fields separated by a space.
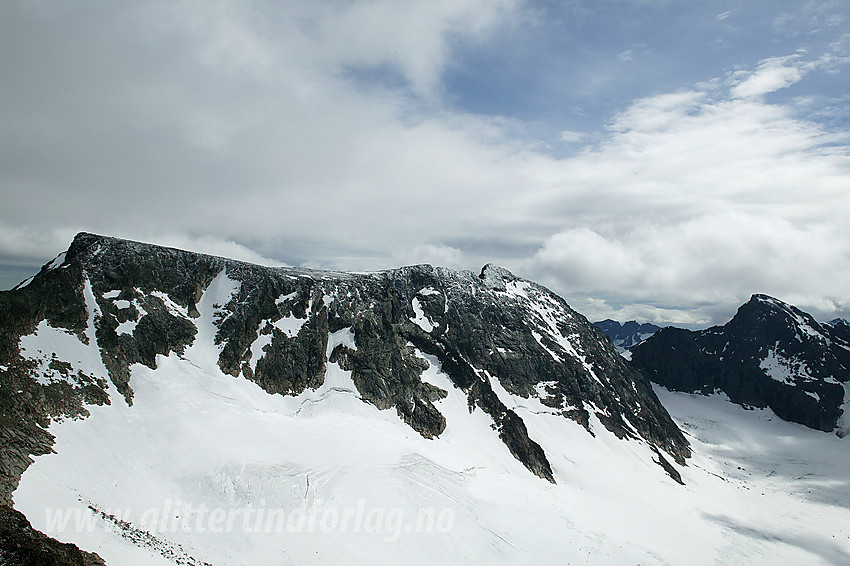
x=628 y=334
x=771 y=354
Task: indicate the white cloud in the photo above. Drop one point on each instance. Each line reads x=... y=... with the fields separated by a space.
x=570 y=136
x=599 y=309
x=435 y=254
x=694 y=200
x=227 y=36
x=241 y=125
x=271 y=41
x=413 y=37
x=212 y=245
x=702 y=262
x=772 y=75
x=263 y=124
x=674 y=157
x=27 y=242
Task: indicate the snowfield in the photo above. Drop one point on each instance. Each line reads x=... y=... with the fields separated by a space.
x=758 y=490
x=206 y=468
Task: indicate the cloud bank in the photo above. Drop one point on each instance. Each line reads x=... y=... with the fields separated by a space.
x=327 y=134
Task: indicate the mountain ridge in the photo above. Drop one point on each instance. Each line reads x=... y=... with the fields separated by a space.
x=137 y=301
x=286 y=393
x=770 y=354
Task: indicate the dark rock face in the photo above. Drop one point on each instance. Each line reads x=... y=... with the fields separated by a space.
x=27 y=406
x=490 y=332
x=840 y=329
x=770 y=354
x=628 y=334
x=21 y=545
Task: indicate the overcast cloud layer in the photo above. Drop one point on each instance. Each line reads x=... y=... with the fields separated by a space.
x=660 y=161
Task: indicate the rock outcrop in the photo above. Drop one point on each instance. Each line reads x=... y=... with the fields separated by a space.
x=21 y=545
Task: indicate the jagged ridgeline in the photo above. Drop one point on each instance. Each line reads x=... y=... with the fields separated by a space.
x=771 y=354
x=496 y=336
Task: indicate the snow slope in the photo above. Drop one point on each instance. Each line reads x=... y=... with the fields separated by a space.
x=209 y=468
x=780 y=490
x=203 y=466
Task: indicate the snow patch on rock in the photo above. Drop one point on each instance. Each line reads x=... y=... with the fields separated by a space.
x=421 y=319
x=843 y=425
x=784 y=370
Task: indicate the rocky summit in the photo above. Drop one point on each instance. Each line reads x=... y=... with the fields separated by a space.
x=496 y=336
x=771 y=354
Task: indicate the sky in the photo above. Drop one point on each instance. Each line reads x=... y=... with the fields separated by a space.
x=652 y=160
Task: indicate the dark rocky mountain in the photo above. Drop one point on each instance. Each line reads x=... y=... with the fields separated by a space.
x=491 y=332
x=770 y=354
x=839 y=328
x=627 y=334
